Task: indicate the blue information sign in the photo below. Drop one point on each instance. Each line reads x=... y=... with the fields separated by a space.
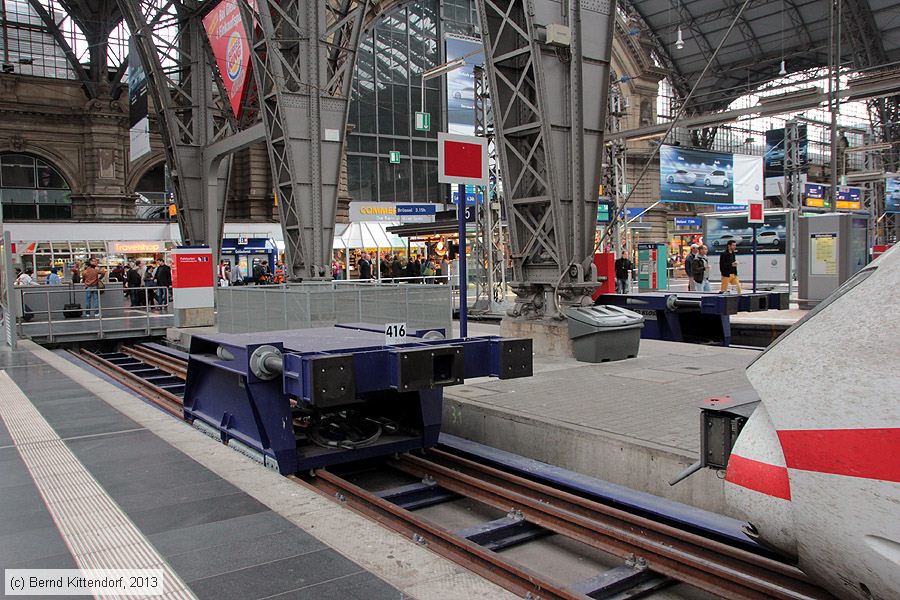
x=470 y=195
x=416 y=209
x=688 y=221
x=727 y=208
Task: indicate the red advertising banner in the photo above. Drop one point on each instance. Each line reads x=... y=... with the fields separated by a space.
x=192 y=269
x=225 y=30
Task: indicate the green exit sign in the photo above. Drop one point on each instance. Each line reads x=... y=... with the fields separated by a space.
x=394 y=157
x=423 y=121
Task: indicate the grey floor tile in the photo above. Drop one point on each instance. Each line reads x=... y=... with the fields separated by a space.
x=276 y=577
x=30 y=545
x=230 y=557
x=26 y=517
x=358 y=586
x=125 y=447
x=90 y=425
x=13 y=475
x=234 y=531
x=57 y=561
x=186 y=493
x=145 y=476
x=196 y=513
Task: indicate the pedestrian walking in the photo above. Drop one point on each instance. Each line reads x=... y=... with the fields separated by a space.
x=623 y=269
x=728 y=267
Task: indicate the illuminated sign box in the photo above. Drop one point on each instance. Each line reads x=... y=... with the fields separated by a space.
x=149 y=247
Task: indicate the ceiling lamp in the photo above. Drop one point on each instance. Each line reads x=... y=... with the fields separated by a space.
x=782 y=70
x=679 y=41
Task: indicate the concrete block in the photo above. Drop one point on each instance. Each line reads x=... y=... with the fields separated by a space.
x=549 y=337
x=636 y=464
x=195 y=317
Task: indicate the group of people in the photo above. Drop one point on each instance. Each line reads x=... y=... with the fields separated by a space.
x=260 y=274
x=697 y=268
x=415 y=269
x=395 y=267
x=137 y=276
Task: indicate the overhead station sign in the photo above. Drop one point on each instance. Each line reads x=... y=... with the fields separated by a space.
x=225 y=29
x=404 y=212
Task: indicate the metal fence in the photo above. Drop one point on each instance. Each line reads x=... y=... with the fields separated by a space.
x=59 y=313
x=243 y=309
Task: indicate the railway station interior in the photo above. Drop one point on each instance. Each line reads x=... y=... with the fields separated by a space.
x=450 y=299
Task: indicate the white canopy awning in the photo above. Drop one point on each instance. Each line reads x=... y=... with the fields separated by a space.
x=367 y=234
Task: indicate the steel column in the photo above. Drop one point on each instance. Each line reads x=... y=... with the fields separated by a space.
x=550 y=104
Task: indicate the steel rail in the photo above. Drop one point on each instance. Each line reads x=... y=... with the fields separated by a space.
x=167 y=401
x=484 y=562
x=593 y=508
x=169 y=364
x=576 y=518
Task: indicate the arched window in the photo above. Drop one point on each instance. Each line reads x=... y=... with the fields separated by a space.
x=30 y=188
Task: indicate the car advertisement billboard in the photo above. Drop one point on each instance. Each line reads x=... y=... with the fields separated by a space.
x=225 y=30
x=699 y=176
x=461 y=84
x=772 y=245
x=892 y=194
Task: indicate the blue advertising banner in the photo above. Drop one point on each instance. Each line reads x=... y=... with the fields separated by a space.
x=688 y=221
x=892 y=194
x=695 y=176
x=461 y=84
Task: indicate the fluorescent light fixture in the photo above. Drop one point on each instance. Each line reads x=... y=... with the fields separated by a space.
x=870 y=147
x=443 y=69
x=793 y=95
x=863 y=176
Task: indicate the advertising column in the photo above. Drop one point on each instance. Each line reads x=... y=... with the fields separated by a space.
x=193 y=286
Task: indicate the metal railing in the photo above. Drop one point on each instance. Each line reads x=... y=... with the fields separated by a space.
x=56 y=312
x=243 y=309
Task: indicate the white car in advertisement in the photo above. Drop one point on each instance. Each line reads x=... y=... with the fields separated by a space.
x=716 y=178
x=682 y=176
x=768 y=238
x=728 y=237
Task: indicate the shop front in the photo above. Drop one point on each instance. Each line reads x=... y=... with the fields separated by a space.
x=248 y=252
x=43 y=255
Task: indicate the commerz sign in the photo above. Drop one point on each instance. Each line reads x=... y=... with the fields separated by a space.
x=403 y=212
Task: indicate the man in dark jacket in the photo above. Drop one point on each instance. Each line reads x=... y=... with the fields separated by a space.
x=163 y=277
x=728 y=267
x=365 y=267
x=396 y=267
x=134 y=282
x=689 y=265
x=623 y=272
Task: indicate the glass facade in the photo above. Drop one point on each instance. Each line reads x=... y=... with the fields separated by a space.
x=32 y=189
x=387 y=92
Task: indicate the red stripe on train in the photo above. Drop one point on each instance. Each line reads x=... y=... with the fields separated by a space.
x=868 y=453
x=759 y=476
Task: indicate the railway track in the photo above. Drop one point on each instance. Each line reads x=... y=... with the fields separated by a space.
x=654 y=554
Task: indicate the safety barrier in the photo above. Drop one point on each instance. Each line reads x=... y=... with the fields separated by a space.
x=59 y=313
x=243 y=309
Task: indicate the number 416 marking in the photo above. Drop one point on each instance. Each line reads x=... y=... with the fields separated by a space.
x=394 y=333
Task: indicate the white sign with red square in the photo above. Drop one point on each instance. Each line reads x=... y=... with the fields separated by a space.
x=462 y=159
x=756 y=213
x=193 y=278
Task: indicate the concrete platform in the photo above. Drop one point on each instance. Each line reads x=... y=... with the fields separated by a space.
x=91 y=475
x=633 y=422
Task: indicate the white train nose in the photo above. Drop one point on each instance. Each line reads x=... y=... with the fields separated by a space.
x=758 y=488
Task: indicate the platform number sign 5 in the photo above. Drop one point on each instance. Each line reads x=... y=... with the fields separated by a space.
x=394 y=333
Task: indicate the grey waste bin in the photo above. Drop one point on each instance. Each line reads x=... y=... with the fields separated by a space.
x=604 y=333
